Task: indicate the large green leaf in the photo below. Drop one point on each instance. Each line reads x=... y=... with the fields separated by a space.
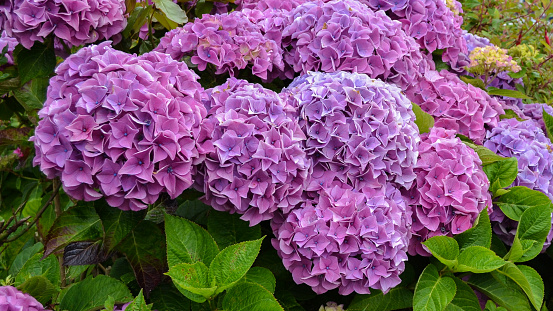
x=168 y=298
x=423 y=120
x=232 y=263
x=433 y=292
x=479 y=235
x=397 y=298
x=144 y=248
x=117 y=223
x=228 y=229
x=444 y=248
x=501 y=174
x=80 y=223
x=23 y=257
x=250 y=297
x=507 y=93
x=548 y=120
x=38 y=62
x=528 y=279
x=188 y=242
x=261 y=276
x=40 y=288
x=32 y=95
x=534 y=225
x=193 y=278
x=92 y=293
x=501 y=290
x=35 y=266
x=486 y=155
x=464 y=300
x=478 y=259
x=138 y=304
x=172 y=10
x=519 y=199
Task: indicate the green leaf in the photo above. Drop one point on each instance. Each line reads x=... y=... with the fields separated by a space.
x=501 y=290
x=35 y=266
x=473 y=81
x=139 y=304
x=38 y=62
x=32 y=95
x=464 y=299
x=172 y=10
x=479 y=235
x=433 y=292
x=23 y=257
x=519 y=74
x=486 y=155
x=423 y=120
x=548 y=120
x=193 y=278
x=397 y=298
x=40 y=288
x=117 y=223
x=516 y=251
x=288 y=301
x=232 y=263
x=534 y=225
x=261 y=276
x=144 y=248
x=137 y=19
x=203 y=7
x=164 y=21
x=188 y=242
x=444 y=248
x=478 y=259
x=519 y=199
x=507 y=93
x=510 y=114
x=168 y=298
x=92 y=293
x=501 y=174
x=228 y=229
x=528 y=280
x=250 y=297
x=80 y=223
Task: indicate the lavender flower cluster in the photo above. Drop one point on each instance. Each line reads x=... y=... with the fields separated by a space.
x=535 y=112
x=254 y=162
x=11 y=299
x=456 y=105
x=528 y=143
x=7 y=43
x=73 y=22
x=451 y=188
x=120 y=126
x=230 y=42
x=346 y=239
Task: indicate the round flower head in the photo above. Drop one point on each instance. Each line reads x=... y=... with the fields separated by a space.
x=230 y=42
x=533 y=150
x=123 y=125
x=535 y=112
x=456 y=105
x=74 y=22
x=254 y=161
x=491 y=59
x=451 y=188
x=7 y=44
x=360 y=131
x=346 y=239
x=348 y=36
x=11 y=299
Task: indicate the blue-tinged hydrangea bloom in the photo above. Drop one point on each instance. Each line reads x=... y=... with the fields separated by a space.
x=120 y=126
x=528 y=143
x=254 y=162
x=11 y=299
x=230 y=42
x=451 y=188
x=360 y=131
x=535 y=112
x=75 y=22
x=346 y=239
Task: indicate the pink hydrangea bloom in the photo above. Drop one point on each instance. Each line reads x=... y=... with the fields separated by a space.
x=11 y=299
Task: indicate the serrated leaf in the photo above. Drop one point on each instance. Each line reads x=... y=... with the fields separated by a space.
x=464 y=299
x=138 y=304
x=397 y=298
x=92 y=293
x=534 y=225
x=444 y=248
x=193 y=278
x=501 y=290
x=507 y=93
x=433 y=292
x=83 y=253
x=172 y=10
x=478 y=259
x=38 y=62
x=40 y=288
x=117 y=223
x=228 y=229
x=548 y=120
x=528 y=280
x=423 y=120
x=35 y=266
x=187 y=242
x=32 y=95
x=479 y=235
x=250 y=297
x=261 y=276
x=501 y=174
x=519 y=199
x=519 y=74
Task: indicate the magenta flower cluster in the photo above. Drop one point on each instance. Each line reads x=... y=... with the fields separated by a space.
x=451 y=188
x=456 y=105
x=528 y=143
x=268 y=4
x=230 y=42
x=11 y=299
x=346 y=239
x=254 y=162
x=360 y=131
x=348 y=36
x=120 y=126
x=75 y=22
x=8 y=44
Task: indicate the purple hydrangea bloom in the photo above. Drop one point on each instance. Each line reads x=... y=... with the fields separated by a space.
x=535 y=112
x=268 y=4
x=527 y=142
x=120 y=126
x=346 y=239
x=230 y=42
x=11 y=299
x=451 y=188
x=74 y=22
x=10 y=43
x=360 y=131
x=456 y=105
x=348 y=36
x=254 y=162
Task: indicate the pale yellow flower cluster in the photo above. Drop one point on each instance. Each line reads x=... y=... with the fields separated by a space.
x=491 y=59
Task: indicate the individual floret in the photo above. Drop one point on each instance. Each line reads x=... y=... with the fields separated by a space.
x=120 y=126
x=11 y=299
x=451 y=188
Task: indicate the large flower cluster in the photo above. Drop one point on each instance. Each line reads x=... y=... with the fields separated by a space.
x=120 y=124
x=451 y=188
x=527 y=142
x=230 y=42
x=348 y=36
x=7 y=44
x=254 y=159
x=535 y=112
x=73 y=22
x=456 y=105
x=491 y=60
x=11 y=299
x=346 y=239
x=360 y=131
